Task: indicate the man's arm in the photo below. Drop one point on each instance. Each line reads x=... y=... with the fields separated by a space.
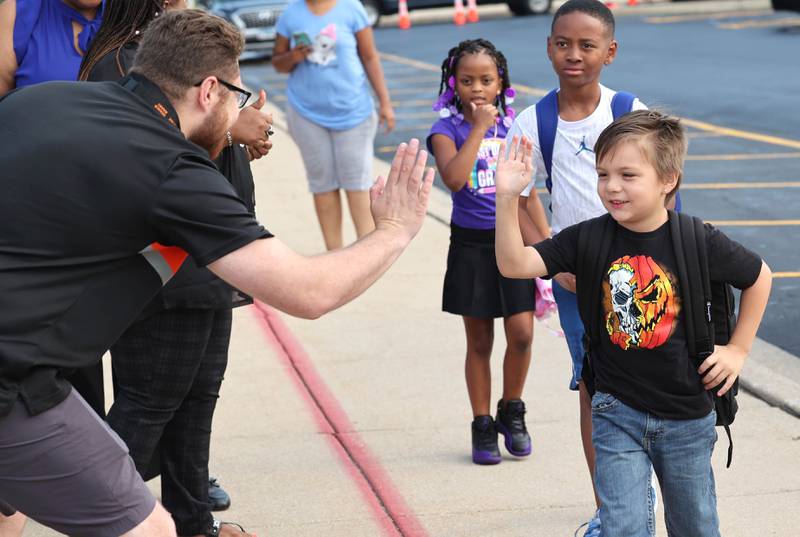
x=727 y=361
x=514 y=259
x=8 y=58
x=311 y=286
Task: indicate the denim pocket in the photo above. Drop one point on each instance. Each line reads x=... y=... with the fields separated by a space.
x=602 y=402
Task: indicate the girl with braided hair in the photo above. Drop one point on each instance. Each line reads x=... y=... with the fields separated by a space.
x=475 y=95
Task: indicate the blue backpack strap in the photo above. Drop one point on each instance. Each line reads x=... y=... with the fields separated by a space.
x=546 y=125
x=621 y=103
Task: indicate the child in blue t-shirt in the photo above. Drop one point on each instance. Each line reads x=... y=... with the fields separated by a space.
x=474 y=95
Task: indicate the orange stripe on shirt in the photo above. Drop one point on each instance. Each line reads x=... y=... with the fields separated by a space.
x=173 y=255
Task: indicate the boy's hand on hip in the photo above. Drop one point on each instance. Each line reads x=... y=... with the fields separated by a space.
x=399 y=202
x=724 y=365
x=567 y=281
x=514 y=169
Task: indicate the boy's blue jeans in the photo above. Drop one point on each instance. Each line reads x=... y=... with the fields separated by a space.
x=627 y=442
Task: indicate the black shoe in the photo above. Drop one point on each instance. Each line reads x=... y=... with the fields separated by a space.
x=510 y=423
x=216 y=528
x=217 y=496
x=484 y=441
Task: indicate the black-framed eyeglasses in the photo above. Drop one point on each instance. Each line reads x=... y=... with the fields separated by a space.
x=242 y=96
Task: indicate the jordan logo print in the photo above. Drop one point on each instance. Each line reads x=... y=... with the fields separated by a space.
x=583 y=147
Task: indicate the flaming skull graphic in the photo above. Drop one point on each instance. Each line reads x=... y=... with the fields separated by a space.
x=640 y=302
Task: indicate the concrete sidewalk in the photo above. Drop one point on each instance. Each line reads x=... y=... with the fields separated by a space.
x=357 y=424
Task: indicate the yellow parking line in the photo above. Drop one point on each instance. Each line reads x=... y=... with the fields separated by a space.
x=708 y=127
x=751 y=184
x=700 y=17
x=786 y=274
x=745 y=135
x=754 y=223
x=743 y=156
x=419 y=127
x=413 y=102
x=437 y=69
x=788 y=21
x=422 y=115
x=423 y=80
x=408 y=61
x=415 y=91
x=694 y=135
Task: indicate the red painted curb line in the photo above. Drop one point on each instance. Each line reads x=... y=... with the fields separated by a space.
x=387 y=504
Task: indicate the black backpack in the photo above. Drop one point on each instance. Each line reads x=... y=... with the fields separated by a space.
x=709 y=307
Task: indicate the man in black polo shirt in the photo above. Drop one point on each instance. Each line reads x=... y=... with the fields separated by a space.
x=105 y=188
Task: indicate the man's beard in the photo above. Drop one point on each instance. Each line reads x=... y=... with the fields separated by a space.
x=211 y=134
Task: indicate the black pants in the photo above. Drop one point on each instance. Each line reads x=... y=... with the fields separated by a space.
x=169 y=369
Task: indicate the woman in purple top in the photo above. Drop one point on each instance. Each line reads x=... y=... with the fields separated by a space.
x=474 y=95
x=42 y=40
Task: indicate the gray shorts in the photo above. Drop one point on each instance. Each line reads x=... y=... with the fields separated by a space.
x=66 y=469
x=335 y=159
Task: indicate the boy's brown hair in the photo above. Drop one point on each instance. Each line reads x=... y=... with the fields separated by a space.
x=182 y=47
x=661 y=138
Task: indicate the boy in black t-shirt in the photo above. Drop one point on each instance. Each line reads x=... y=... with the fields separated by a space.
x=652 y=404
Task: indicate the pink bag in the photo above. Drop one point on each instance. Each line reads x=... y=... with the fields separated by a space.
x=545 y=303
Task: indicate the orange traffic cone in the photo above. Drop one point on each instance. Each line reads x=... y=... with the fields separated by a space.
x=459 y=17
x=472 y=10
x=405 y=21
x=632 y=3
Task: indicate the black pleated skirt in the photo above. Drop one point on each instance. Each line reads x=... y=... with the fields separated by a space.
x=473 y=285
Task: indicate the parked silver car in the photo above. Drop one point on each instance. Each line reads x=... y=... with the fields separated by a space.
x=255 y=18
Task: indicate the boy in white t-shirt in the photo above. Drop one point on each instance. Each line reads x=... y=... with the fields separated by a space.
x=580 y=44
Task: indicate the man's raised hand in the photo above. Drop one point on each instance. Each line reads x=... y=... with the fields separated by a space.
x=400 y=201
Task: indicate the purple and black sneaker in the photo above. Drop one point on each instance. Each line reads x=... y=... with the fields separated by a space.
x=510 y=422
x=484 y=441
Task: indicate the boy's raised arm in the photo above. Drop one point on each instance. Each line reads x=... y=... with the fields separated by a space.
x=514 y=167
x=727 y=361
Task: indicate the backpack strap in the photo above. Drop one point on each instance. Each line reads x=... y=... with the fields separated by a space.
x=594 y=246
x=621 y=104
x=690 y=286
x=546 y=125
x=691 y=257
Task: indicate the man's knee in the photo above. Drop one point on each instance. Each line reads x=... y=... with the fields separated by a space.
x=158 y=524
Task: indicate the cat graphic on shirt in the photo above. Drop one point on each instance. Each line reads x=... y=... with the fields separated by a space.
x=324 y=46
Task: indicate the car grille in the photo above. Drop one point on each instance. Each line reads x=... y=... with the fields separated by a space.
x=259 y=19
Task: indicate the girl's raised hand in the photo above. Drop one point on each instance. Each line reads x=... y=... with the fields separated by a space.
x=514 y=167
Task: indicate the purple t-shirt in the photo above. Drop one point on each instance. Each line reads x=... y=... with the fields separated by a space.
x=473 y=205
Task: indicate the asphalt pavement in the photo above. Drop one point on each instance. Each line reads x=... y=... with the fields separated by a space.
x=723 y=65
